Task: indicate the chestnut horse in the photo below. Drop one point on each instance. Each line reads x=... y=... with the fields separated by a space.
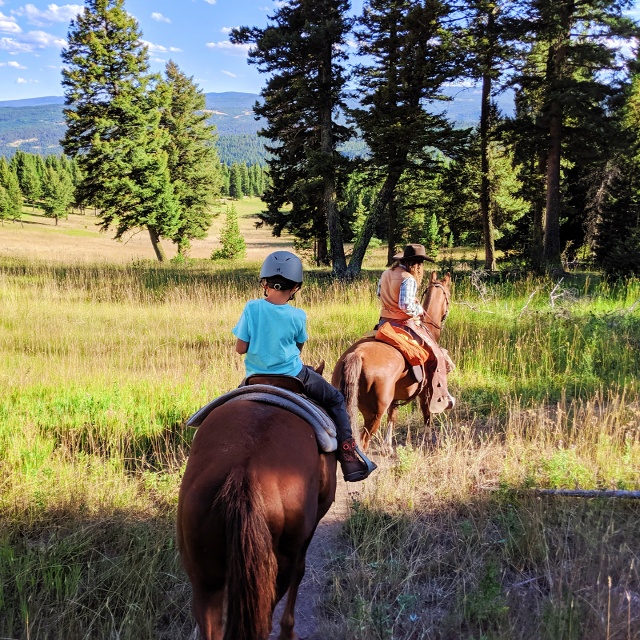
x=375 y=378
x=253 y=492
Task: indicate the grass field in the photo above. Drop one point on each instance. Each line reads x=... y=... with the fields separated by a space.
x=104 y=354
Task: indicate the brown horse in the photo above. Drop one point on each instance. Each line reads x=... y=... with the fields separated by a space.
x=254 y=490
x=375 y=378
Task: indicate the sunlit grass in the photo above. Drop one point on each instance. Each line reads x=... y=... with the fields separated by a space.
x=101 y=365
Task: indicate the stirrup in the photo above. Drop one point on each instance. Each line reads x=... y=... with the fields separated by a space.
x=357 y=476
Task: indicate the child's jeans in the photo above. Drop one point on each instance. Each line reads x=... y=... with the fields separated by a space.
x=330 y=398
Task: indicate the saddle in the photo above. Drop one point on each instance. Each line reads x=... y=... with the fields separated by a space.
x=263 y=389
x=427 y=360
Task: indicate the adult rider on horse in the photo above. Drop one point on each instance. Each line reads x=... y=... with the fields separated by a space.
x=398 y=294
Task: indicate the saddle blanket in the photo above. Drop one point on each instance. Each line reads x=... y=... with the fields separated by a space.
x=404 y=342
x=301 y=406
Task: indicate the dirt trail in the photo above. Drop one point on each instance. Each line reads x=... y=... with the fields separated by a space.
x=324 y=541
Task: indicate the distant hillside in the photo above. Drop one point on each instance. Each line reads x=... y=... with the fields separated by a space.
x=37 y=124
x=32 y=102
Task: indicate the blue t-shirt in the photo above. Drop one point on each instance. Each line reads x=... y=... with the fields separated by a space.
x=273 y=332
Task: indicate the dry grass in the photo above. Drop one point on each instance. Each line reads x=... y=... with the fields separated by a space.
x=78 y=238
x=103 y=359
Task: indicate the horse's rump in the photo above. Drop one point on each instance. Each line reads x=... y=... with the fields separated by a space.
x=254 y=478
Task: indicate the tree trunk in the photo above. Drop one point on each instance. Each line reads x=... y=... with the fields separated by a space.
x=382 y=200
x=157 y=247
x=338 y=259
x=391 y=230
x=322 y=250
x=555 y=74
x=551 y=251
x=537 y=231
x=485 y=199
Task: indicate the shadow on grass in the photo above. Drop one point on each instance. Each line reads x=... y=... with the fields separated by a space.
x=69 y=577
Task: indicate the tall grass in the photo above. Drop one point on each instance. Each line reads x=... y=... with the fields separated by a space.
x=101 y=365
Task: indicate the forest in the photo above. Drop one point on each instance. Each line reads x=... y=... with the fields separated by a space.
x=362 y=147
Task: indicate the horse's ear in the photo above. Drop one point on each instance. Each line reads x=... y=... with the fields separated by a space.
x=320 y=368
x=447 y=278
x=434 y=277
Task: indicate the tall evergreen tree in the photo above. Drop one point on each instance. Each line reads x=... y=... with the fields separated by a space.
x=303 y=49
x=13 y=195
x=490 y=33
x=235 y=182
x=615 y=198
x=5 y=205
x=412 y=55
x=57 y=193
x=577 y=74
x=194 y=166
x=25 y=168
x=113 y=128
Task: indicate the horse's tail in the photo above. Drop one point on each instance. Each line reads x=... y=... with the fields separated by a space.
x=251 y=563
x=351 y=369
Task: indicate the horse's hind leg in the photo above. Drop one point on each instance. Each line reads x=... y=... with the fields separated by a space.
x=372 y=419
x=207 y=610
x=292 y=577
x=392 y=416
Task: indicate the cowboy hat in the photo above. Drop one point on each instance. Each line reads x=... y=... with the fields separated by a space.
x=413 y=252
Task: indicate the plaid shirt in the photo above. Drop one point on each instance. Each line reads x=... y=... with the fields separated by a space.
x=407 y=300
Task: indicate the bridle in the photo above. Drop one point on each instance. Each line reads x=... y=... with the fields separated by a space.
x=447 y=298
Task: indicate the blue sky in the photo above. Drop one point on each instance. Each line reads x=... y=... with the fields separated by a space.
x=194 y=33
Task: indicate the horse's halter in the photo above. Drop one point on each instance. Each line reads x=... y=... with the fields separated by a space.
x=447 y=299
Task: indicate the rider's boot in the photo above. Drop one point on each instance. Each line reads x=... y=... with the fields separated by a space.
x=355 y=465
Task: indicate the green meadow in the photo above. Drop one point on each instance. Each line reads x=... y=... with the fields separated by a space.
x=102 y=363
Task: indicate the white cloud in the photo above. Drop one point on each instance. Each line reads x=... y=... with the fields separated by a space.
x=158 y=17
x=158 y=48
x=227 y=29
x=8 y=24
x=13 y=46
x=53 y=13
x=158 y=60
x=24 y=81
x=210 y=1
x=230 y=48
x=13 y=64
x=30 y=42
x=228 y=73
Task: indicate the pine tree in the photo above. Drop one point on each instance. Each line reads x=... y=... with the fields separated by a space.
x=194 y=167
x=233 y=245
x=5 y=205
x=57 y=193
x=575 y=76
x=431 y=239
x=235 y=182
x=490 y=35
x=113 y=124
x=410 y=54
x=303 y=50
x=13 y=195
x=24 y=165
x=615 y=202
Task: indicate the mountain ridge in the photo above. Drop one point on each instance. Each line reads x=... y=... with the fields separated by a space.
x=36 y=125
